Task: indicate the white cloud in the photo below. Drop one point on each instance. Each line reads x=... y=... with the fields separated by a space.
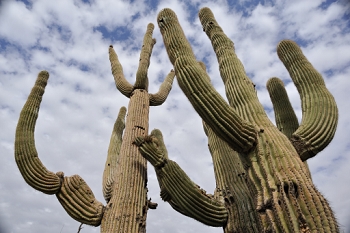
x=74 y=127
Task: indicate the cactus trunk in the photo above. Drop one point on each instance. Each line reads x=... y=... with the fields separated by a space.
x=127 y=208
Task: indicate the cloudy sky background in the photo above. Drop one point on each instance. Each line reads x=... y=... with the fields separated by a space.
x=70 y=39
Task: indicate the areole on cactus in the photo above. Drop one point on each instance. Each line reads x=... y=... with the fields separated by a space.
x=259 y=168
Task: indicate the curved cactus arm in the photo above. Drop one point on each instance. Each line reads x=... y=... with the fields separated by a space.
x=240 y=90
x=286 y=120
x=146 y=51
x=320 y=112
x=195 y=83
x=117 y=70
x=164 y=89
x=79 y=202
x=113 y=154
x=177 y=188
x=28 y=162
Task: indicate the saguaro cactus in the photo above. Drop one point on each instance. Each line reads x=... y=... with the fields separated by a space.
x=262 y=183
x=125 y=175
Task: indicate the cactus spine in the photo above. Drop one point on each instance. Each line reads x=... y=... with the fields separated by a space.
x=277 y=194
x=125 y=175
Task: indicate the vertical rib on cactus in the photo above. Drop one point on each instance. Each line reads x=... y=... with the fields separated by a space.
x=127 y=199
x=285 y=198
x=320 y=112
x=72 y=192
x=113 y=154
x=218 y=114
x=177 y=188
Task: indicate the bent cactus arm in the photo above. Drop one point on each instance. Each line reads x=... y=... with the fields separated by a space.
x=320 y=112
x=177 y=188
x=72 y=192
x=26 y=155
x=164 y=89
x=113 y=154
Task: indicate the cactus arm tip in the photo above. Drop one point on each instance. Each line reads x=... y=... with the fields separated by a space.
x=145 y=56
x=164 y=90
x=286 y=120
x=117 y=70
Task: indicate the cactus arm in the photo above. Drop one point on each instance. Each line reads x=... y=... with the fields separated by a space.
x=160 y=97
x=146 y=51
x=113 y=154
x=28 y=162
x=286 y=120
x=240 y=90
x=117 y=70
x=195 y=83
x=73 y=193
x=177 y=188
x=320 y=112
x=79 y=202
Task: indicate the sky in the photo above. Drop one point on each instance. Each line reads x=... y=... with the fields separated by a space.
x=70 y=40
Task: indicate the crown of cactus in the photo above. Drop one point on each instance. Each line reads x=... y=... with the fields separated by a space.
x=262 y=183
x=125 y=174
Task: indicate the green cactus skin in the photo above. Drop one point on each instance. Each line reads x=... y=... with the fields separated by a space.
x=125 y=175
x=113 y=154
x=72 y=192
x=177 y=188
x=285 y=198
x=320 y=112
x=127 y=199
x=286 y=120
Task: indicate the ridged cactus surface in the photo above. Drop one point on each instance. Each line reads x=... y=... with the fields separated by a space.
x=125 y=176
x=259 y=167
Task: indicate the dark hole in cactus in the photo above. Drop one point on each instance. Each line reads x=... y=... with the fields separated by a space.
x=108 y=164
x=161 y=20
x=279 y=202
x=295 y=190
x=286 y=188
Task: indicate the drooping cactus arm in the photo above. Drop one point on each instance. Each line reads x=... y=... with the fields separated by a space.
x=196 y=85
x=117 y=70
x=28 y=162
x=113 y=154
x=146 y=51
x=160 y=97
x=240 y=90
x=73 y=193
x=286 y=120
x=177 y=188
x=320 y=112
x=79 y=202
